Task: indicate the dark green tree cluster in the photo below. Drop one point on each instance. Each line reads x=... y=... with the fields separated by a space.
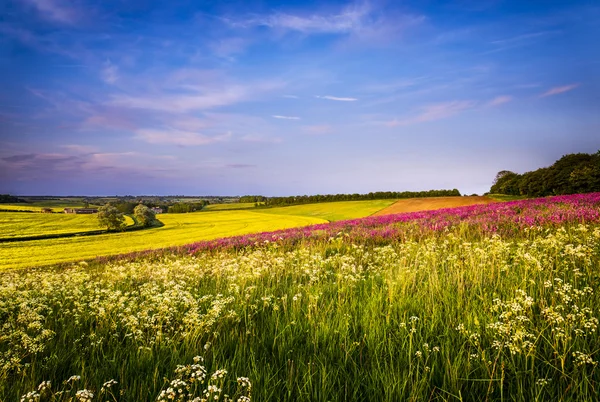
x=9 y=199
x=184 y=207
x=379 y=195
x=571 y=174
x=111 y=217
x=144 y=215
x=252 y=198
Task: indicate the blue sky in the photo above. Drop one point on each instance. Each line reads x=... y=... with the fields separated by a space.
x=285 y=98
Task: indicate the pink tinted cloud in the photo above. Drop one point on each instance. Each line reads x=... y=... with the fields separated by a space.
x=500 y=100
x=433 y=112
x=559 y=90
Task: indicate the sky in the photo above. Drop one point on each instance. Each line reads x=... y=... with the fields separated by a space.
x=114 y=97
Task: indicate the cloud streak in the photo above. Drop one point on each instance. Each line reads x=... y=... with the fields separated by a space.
x=499 y=100
x=276 y=116
x=336 y=98
x=110 y=73
x=434 y=112
x=55 y=10
x=178 y=137
x=559 y=90
x=347 y=20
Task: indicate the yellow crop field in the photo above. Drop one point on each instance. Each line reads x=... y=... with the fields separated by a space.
x=225 y=207
x=178 y=229
x=21 y=224
x=56 y=206
x=428 y=204
x=333 y=211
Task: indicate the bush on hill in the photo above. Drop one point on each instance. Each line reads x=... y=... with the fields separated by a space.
x=571 y=174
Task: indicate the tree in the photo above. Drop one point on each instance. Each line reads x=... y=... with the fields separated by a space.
x=144 y=215
x=110 y=217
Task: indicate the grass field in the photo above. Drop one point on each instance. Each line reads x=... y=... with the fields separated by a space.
x=333 y=211
x=178 y=229
x=428 y=204
x=504 y=197
x=490 y=303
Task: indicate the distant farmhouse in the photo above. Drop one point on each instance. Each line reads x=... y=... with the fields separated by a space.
x=81 y=211
x=157 y=210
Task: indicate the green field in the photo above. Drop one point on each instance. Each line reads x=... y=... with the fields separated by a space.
x=504 y=197
x=178 y=229
x=21 y=224
x=333 y=211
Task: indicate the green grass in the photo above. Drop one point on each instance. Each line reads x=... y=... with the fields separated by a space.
x=333 y=211
x=21 y=224
x=178 y=229
x=505 y=197
x=440 y=318
x=226 y=207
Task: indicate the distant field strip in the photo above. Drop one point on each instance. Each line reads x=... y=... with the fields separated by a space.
x=333 y=211
x=429 y=204
x=56 y=206
x=179 y=229
x=225 y=207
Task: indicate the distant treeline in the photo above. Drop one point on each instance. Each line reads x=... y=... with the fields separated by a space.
x=127 y=207
x=252 y=198
x=379 y=195
x=571 y=174
x=184 y=207
x=9 y=199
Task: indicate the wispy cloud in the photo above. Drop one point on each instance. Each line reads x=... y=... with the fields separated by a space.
x=229 y=47
x=285 y=117
x=319 y=129
x=521 y=40
x=56 y=10
x=559 y=90
x=240 y=166
x=110 y=73
x=183 y=102
x=525 y=37
x=191 y=97
x=348 y=19
x=433 y=112
x=261 y=139
x=499 y=100
x=80 y=149
x=178 y=137
x=291 y=96
x=116 y=164
x=336 y=98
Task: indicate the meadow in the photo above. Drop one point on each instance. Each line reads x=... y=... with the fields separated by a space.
x=481 y=303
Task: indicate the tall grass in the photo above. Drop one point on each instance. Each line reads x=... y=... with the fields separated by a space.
x=452 y=317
